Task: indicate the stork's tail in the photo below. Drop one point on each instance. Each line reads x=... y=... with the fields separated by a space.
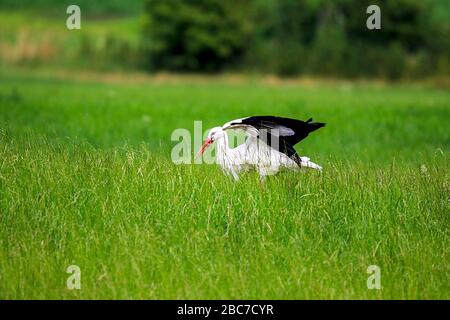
x=305 y=162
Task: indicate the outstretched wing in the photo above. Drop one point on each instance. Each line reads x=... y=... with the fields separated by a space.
x=277 y=132
x=291 y=130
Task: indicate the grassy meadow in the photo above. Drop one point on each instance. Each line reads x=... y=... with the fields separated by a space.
x=86 y=179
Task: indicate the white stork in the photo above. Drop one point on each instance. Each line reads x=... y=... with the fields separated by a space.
x=269 y=145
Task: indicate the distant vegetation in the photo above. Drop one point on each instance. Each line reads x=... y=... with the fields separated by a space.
x=286 y=37
x=292 y=37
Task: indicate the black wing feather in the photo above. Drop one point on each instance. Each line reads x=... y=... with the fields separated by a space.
x=288 y=132
x=300 y=128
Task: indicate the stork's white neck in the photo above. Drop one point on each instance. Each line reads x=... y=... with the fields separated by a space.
x=222 y=144
x=222 y=151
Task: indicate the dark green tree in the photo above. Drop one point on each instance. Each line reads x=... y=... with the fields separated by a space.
x=195 y=35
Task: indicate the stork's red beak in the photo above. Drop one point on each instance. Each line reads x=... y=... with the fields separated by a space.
x=204 y=146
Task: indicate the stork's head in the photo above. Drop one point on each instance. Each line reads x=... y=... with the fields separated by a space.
x=214 y=134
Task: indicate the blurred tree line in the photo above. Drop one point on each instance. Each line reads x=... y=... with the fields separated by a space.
x=293 y=37
x=286 y=37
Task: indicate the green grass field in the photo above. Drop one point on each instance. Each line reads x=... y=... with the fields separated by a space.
x=86 y=178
